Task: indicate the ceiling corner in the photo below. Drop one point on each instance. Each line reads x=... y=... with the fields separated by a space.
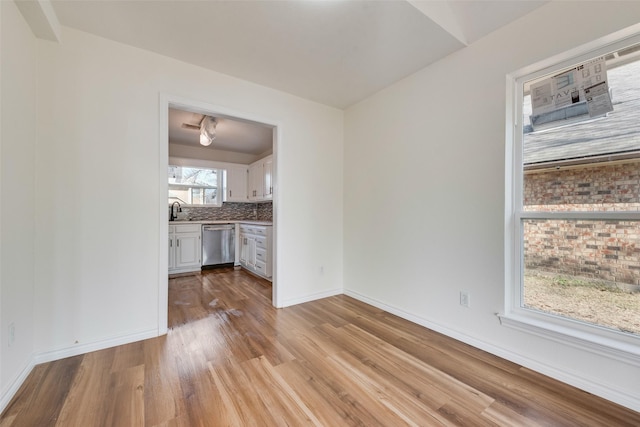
x=442 y=14
x=41 y=17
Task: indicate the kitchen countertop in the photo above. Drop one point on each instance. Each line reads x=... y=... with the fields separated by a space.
x=251 y=222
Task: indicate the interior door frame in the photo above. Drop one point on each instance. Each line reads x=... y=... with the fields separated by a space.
x=167 y=101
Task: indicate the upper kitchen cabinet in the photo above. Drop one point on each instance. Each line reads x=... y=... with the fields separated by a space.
x=267 y=168
x=236 y=184
x=261 y=180
x=256 y=181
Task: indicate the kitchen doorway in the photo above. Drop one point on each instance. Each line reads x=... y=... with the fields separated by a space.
x=168 y=102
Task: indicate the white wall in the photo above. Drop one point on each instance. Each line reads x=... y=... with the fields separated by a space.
x=17 y=142
x=97 y=157
x=424 y=193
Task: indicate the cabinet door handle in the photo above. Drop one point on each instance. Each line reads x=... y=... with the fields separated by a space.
x=178 y=243
x=230 y=193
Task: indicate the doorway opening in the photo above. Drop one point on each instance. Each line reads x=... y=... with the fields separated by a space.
x=235 y=144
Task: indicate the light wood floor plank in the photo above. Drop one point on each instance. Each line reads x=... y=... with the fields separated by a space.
x=126 y=397
x=84 y=405
x=162 y=397
x=231 y=359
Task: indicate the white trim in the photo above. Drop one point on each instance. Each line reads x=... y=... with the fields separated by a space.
x=586 y=337
x=312 y=297
x=200 y=163
x=276 y=292
x=163 y=214
x=601 y=46
x=599 y=216
x=512 y=122
x=14 y=385
x=186 y=104
x=49 y=356
x=591 y=338
x=602 y=390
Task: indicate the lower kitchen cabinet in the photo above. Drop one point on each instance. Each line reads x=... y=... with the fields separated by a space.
x=256 y=249
x=184 y=248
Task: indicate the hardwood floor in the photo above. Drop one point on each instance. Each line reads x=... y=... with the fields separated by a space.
x=230 y=359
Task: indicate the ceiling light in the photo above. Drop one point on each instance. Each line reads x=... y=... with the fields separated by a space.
x=204 y=140
x=208 y=130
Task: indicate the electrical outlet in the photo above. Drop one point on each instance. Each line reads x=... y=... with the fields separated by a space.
x=12 y=333
x=465 y=299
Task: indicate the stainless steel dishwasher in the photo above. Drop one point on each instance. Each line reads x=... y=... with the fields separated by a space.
x=218 y=244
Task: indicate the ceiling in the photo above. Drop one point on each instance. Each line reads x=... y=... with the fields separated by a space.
x=334 y=52
x=233 y=135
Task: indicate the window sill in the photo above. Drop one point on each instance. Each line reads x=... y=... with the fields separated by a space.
x=591 y=338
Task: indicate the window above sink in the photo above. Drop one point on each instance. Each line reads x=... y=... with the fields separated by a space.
x=195 y=186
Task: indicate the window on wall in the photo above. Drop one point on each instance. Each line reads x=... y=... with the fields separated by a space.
x=574 y=204
x=195 y=186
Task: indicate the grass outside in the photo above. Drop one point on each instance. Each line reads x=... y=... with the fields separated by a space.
x=594 y=302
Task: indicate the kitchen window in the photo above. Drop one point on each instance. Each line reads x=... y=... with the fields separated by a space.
x=573 y=199
x=195 y=186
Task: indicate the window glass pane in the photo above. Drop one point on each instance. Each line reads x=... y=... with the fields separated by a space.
x=576 y=161
x=580 y=153
x=196 y=196
x=598 y=187
x=588 y=270
x=209 y=196
x=194 y=186
x=193 y=176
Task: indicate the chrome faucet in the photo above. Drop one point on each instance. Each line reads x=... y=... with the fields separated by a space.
x=173 y=216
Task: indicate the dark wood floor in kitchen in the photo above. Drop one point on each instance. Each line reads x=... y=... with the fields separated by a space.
x=230 y=359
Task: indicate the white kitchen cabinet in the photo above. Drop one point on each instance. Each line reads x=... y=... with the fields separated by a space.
x=267 y=173
x=236 y=184
x=247 y=250
x=256 y=249
x=261 y=179
x=256 y=181
x=172 y=247
x=184 y=248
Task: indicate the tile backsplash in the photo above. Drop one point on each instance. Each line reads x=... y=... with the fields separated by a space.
x=230 y=212
x=264 y=211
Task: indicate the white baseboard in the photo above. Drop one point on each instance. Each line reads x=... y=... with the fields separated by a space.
x=49 y=356
x=14 y=385
x=601 y=390
x=312 y=297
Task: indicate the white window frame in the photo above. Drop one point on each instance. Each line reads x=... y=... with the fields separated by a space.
x=589 y=337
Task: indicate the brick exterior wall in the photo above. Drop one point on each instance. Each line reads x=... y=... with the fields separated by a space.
x=606 y=250
x=606 y=187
